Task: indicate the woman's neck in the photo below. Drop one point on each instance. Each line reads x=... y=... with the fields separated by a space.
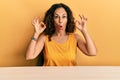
x=60 y=34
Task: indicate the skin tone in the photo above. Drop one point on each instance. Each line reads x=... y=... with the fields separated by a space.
x=60 y=21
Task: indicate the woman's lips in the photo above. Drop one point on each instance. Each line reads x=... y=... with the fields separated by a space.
x=60 y=27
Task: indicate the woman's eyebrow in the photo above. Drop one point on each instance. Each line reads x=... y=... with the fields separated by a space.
x=62 y=14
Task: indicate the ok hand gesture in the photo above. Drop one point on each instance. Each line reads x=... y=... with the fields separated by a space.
x=81 y=24
x=39 y=26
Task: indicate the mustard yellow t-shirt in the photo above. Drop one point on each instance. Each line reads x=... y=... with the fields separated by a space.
x=60 y=54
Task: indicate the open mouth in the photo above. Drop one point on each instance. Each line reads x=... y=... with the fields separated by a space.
x=60 y=27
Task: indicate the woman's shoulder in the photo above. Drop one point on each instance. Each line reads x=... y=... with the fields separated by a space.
x=42 y=37
x=77 y=36
x=74 y=34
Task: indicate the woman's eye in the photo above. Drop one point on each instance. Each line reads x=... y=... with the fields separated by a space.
x=55 y=16
x=64 y=16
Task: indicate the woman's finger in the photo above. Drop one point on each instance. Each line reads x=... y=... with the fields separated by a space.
x=78 y=22
x=80 y=16
x=43 y=25
x=34 y=21
x=84 y=17
x=37 y=21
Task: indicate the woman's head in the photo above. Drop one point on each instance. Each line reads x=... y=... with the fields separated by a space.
x=60 y=19
x=53 y=19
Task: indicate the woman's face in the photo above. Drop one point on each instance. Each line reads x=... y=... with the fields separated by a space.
x=60 y=19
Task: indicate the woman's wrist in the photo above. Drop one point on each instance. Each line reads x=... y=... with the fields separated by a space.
x=83 y=30
x=34 y=39
x=35 y=36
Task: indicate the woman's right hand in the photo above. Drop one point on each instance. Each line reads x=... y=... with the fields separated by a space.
x=39 y=26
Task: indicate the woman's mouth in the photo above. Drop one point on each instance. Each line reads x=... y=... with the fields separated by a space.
x=60 y=27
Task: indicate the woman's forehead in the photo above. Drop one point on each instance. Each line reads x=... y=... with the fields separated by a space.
x=60 y=11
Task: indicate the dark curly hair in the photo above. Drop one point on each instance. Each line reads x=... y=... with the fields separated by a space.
x=49 y=20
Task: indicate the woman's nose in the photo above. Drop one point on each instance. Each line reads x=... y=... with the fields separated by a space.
x=60 y=20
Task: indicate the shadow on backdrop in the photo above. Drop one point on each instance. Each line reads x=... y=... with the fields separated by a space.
x=40 y=59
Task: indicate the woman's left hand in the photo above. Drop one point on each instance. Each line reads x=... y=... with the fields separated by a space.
x=81 y=24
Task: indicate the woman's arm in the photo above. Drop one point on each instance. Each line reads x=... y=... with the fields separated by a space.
x=37 y=43
x=35 y=47
x=87 y=46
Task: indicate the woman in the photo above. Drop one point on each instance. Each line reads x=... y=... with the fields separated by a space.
x=56 y=37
